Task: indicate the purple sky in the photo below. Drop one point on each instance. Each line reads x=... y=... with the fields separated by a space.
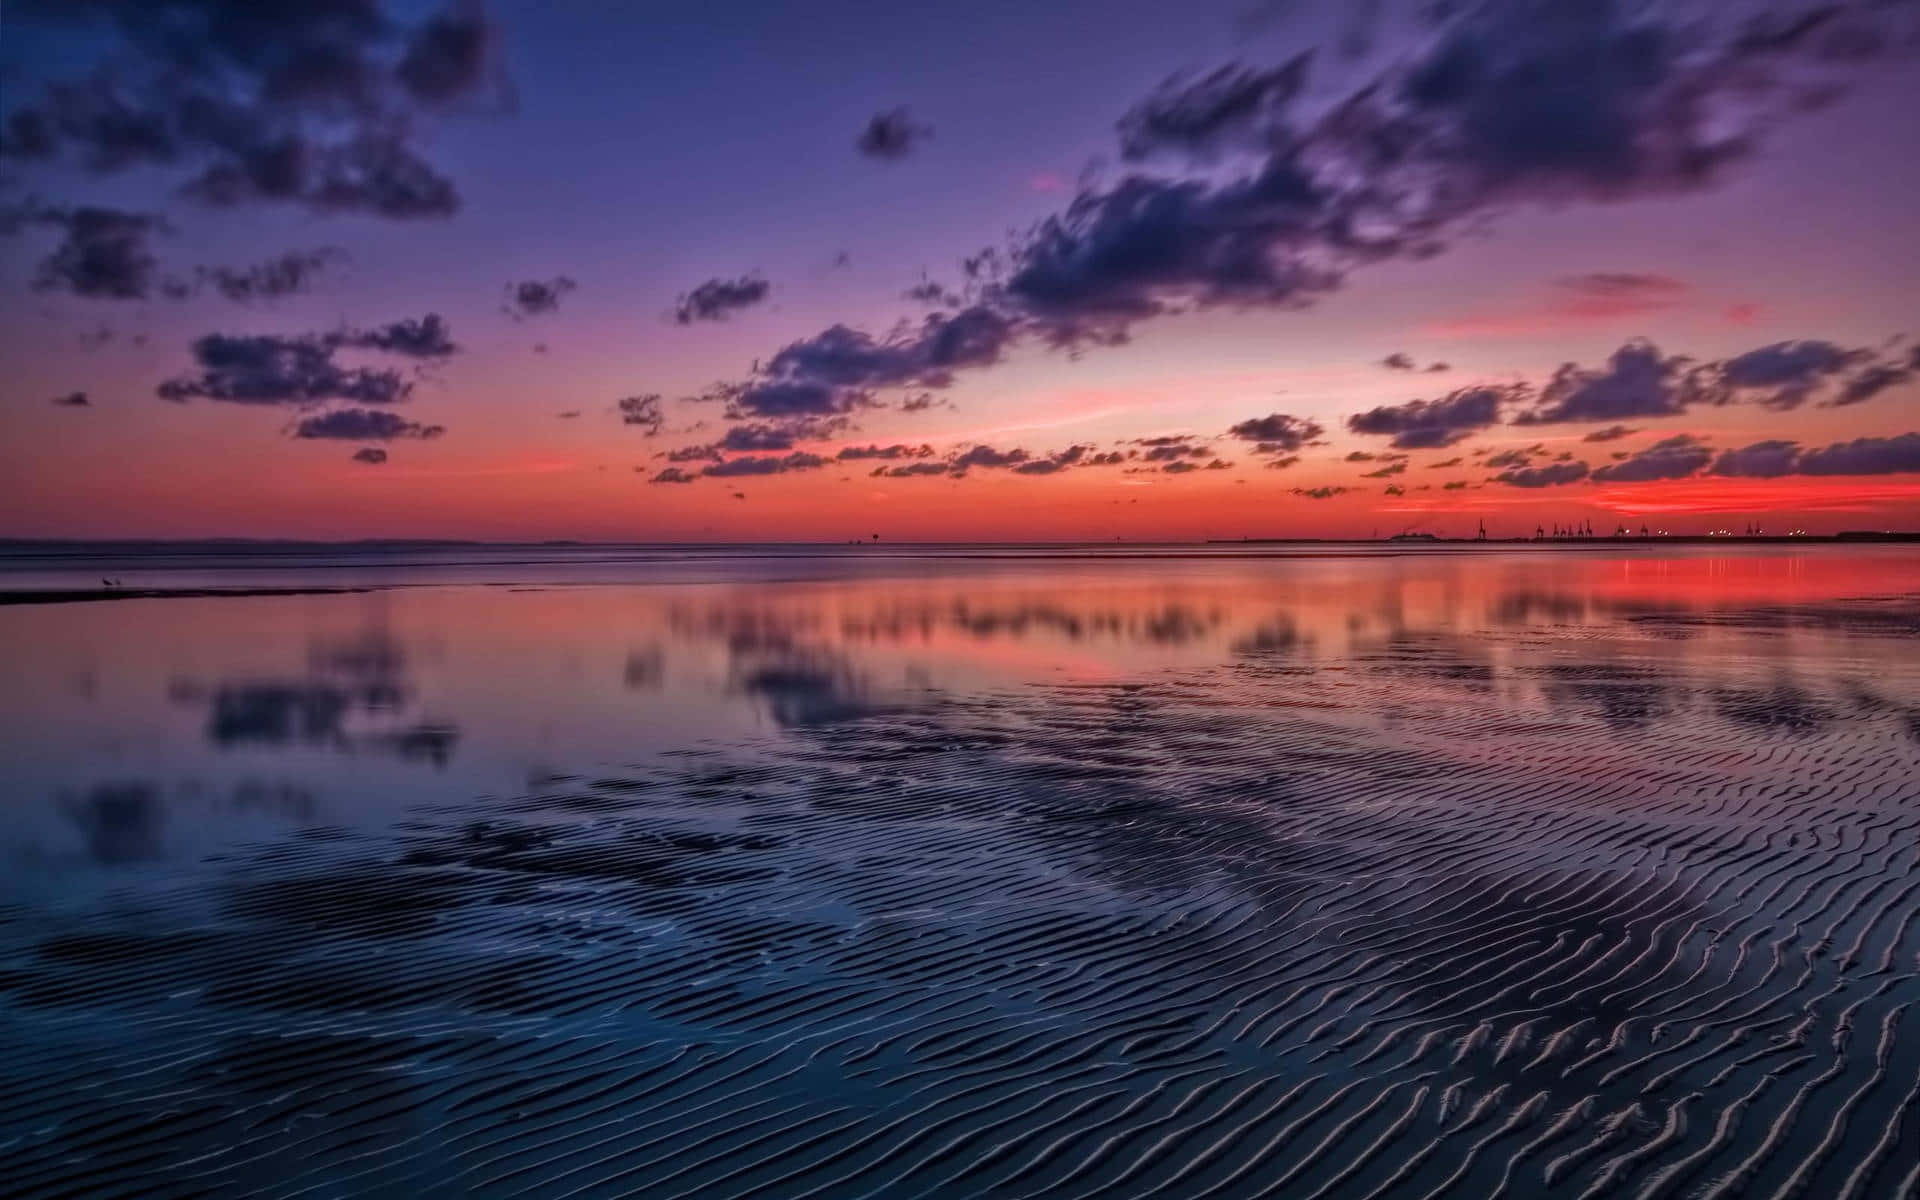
x=725 y=206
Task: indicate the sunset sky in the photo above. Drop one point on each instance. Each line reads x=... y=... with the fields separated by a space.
x=757 y=271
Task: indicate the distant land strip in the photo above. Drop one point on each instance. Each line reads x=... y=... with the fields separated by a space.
x=80 y=595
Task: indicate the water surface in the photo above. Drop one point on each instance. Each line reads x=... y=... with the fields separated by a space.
x=901 y=872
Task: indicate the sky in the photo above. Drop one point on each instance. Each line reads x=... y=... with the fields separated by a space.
x=342 y=269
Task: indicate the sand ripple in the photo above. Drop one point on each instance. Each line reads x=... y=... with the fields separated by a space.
x=1268 y=930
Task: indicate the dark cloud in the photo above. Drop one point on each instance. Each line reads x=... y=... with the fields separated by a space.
x=422 y=337
x=1278 y=433
x=1671 y=458
x=309 y=103
x=1897 y=455
x=103 y=253
x=1638 y=381
x=1865 y=456
x=1761 y=460
x=643 y=411
x=1611 y=433
x=717 y=299
x=702 y=452
x=1427 y=424
x=1386 y=472
x=449 y=56
x=1060 y=461
x=1320 y=493
x=371 y=455
x=1508 y=458
x=925 y=355
x=283 y=275
x=784 y=400
x=835 y=372
x=301 y=368
x=1393 y=489
x=363 y=425
x=72 y=400
x=1150 y=246
x=1874 y=379
x=850 y=453
x=768 y=465
x=754 y=438
x=1197 y=115
x=912 y=469
x=929 y=292
x=672 y=475
x=1551 y=475
x=1511 y=103
x=892 y=135
x=536 y=297
x=987 y=456
x=1784 y=375
x=1444 y=463
x=1172 y=449
x=1018 y=460
x=270 y=369
x=1401 y=361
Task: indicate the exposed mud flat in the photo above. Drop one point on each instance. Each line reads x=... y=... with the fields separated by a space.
x=1288 y=927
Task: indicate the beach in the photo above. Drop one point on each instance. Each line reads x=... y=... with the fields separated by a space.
x=939 y=872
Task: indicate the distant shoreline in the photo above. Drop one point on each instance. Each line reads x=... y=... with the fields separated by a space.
x=1867 y=537
x=89 y=595
x=267 y=547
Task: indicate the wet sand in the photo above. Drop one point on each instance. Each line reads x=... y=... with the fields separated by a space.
x=1292 y=924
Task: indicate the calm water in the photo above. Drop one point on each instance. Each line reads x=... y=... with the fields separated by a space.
x=1161 y=871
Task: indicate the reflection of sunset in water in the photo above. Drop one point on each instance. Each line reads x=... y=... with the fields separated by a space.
x=371 y=701
x=860 y=843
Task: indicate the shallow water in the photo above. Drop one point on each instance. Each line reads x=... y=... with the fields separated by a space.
x=919 y=873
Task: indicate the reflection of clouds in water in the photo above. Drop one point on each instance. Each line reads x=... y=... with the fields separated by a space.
x=803 y=651
x=1784 y=707
x=354 y=699
x=120 y=822
x=1279 y=635
x=1622 y=695
x=646 y=669
x=805 y=687
x=125 y=822
x=1168 y=624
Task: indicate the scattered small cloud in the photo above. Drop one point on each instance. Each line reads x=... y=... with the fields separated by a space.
x=1552 y=475
x=536 y=297
x=892 y=135
x=283 y=275
x=362 y=425
x=718 y=299
x=643 y=411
